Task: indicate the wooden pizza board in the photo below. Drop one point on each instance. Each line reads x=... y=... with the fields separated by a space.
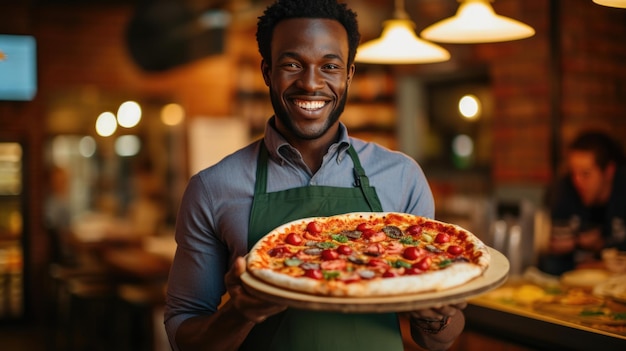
x=494 y=276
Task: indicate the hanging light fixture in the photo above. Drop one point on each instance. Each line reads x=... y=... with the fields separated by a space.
x=476 y=22
x=398 y=43
x=612 y=3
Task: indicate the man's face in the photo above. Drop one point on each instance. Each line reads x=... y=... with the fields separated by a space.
x=592 y=183
x=308 y=77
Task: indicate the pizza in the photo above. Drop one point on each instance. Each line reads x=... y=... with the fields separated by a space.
x=367 y=254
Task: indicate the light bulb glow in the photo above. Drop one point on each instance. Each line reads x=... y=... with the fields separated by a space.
x=612 y=3
x=398 y=44
x=106 y=124
x=476 y=22
x=129 y=114
x=172 y=114
x=469 y=106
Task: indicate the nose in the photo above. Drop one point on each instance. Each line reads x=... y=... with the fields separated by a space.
x=310 y=80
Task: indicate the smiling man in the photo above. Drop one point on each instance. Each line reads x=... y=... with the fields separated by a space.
x=308 y=82
x=305 y=165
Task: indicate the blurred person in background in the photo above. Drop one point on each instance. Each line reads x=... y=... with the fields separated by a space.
x=58 y=216
x=304 y=166
x=146 y=211
x=587 y=205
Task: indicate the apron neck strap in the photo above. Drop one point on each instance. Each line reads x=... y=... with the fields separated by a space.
x=362 y=182
x=360 y=179
x=261 y=169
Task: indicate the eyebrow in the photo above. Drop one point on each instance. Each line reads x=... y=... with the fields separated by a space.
x=290 y=54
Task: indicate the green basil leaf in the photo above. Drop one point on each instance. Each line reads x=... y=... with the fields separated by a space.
x=326 y=245
x=445 y=263
x=340 y=238
x=408 y=240
x=400 y=263
x=330 y=275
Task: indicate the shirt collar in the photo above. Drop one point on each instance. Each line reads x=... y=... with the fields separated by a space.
x=281 y=151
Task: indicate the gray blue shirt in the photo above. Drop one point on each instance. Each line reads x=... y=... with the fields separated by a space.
x=212 y=224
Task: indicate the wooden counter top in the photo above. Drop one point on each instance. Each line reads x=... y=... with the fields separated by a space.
x=524 y=322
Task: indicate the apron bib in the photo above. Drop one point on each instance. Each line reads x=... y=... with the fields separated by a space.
x=300 y=330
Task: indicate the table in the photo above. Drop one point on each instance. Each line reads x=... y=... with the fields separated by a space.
x=99 y=239
x=137 y=263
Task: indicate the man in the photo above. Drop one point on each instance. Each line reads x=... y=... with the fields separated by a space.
x=588 y=204
x=306 y=165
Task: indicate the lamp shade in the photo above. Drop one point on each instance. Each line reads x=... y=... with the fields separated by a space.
x=612 y=3
x=476 y=22
x=398 y=44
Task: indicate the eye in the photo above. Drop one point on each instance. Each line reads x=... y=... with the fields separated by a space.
x=290 y=66
x=331 y=66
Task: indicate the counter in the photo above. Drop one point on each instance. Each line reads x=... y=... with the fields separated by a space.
x=549 y=317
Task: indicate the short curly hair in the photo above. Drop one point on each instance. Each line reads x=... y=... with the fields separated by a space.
x=285 y=9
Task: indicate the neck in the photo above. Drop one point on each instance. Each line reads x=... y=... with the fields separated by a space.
x=313 y=151
x=609 y=176
x=606 y=194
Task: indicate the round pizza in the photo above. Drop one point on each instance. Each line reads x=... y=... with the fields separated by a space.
x=368 y=254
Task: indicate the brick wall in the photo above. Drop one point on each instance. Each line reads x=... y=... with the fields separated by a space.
x=585 y=85
x=593 y=68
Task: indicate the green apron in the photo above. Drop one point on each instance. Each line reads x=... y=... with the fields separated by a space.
x=300 y=330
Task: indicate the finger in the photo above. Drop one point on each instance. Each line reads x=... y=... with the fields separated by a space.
x=232 y=277
x=241 y=265
x=460 y=305
x=427 y=314
x=451 y=310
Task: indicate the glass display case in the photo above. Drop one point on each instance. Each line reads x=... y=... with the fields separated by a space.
x=11 y=231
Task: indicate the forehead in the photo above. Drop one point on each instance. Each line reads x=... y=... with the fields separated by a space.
x=311 y=34
x=581 y=159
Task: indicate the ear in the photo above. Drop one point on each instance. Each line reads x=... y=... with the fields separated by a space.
x=265 y=70
x=610 y=170
x=351 y=71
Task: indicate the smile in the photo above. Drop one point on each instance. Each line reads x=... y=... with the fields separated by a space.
x=309 y=105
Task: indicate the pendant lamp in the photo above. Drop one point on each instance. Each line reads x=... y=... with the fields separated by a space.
x=612 y=3
x=398 y=44
x=476 y=22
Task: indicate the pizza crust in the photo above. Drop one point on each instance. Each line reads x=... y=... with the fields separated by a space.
x=456 y=274
x=450 y=277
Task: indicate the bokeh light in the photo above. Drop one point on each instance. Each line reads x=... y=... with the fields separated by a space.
x=127 y=145
x=106 y=124
x=172 y=114
x=469 y=106
x=87 y=146
x=129 y=114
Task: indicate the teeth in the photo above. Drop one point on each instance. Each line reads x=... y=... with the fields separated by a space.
x=310 y=105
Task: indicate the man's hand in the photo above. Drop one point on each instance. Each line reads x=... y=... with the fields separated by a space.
x=228 y=327
x=438 y=313
x=591 y=240
x=562 y=240
x=438 y=327
x=253 y=308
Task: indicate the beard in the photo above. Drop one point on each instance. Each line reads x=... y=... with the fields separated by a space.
x=283 y=116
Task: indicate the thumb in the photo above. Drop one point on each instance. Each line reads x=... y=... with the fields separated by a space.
x=240 y=264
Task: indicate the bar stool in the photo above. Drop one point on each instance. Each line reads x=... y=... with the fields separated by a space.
x=137 y=303
x=78 y=297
